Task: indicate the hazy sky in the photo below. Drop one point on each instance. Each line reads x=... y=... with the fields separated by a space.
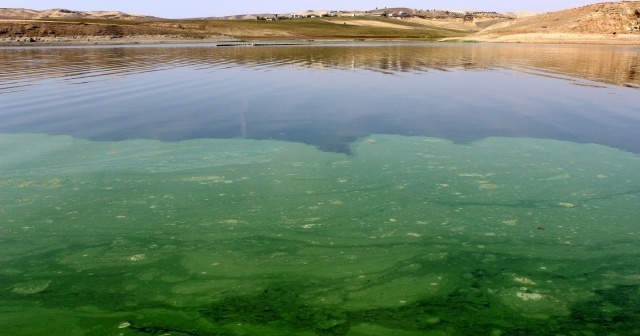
x=201 y=8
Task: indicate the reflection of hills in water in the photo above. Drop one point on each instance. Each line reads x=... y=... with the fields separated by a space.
x=611 y=65
x=324 y=95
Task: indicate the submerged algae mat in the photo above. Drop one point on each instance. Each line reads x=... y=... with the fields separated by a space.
x=407 y=236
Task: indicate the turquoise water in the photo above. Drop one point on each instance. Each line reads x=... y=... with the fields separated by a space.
x=398 y=235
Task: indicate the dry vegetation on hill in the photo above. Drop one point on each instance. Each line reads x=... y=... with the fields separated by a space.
x=118 y=31
x=611 y=22
x=608 y=22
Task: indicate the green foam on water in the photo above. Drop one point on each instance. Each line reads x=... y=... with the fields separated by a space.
x=408 y=235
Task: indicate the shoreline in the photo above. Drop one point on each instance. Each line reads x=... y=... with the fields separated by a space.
x=109 y=40
x=531 y=38
x=557 y=38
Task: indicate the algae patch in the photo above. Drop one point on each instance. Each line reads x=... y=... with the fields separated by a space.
x=408 y=235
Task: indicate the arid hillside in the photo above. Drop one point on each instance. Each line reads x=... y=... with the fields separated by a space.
x=610 y=22
x=611 y=19
x=117 y=30
x=30 y=14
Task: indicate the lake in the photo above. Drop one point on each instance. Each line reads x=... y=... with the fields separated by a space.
x=323 y=189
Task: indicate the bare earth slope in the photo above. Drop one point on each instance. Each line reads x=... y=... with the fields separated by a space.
x=27 y=27
x=609 y=22
x=57 y=13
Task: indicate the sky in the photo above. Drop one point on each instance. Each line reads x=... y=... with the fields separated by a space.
x=175 y=9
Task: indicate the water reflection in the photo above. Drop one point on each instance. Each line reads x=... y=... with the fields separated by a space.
x=610 y=65
x=325 y=95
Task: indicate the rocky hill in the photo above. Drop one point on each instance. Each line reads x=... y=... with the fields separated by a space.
x=609 y=18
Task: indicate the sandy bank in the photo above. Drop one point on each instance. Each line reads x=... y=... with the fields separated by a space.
x=558 y=38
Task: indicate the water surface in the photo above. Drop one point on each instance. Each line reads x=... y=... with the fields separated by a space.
x=326 y=96
x=320 y=190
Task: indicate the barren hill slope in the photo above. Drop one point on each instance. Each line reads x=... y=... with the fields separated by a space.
x=608 y=22
x=57 y=13
x=17 y=13
x=601 y=18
